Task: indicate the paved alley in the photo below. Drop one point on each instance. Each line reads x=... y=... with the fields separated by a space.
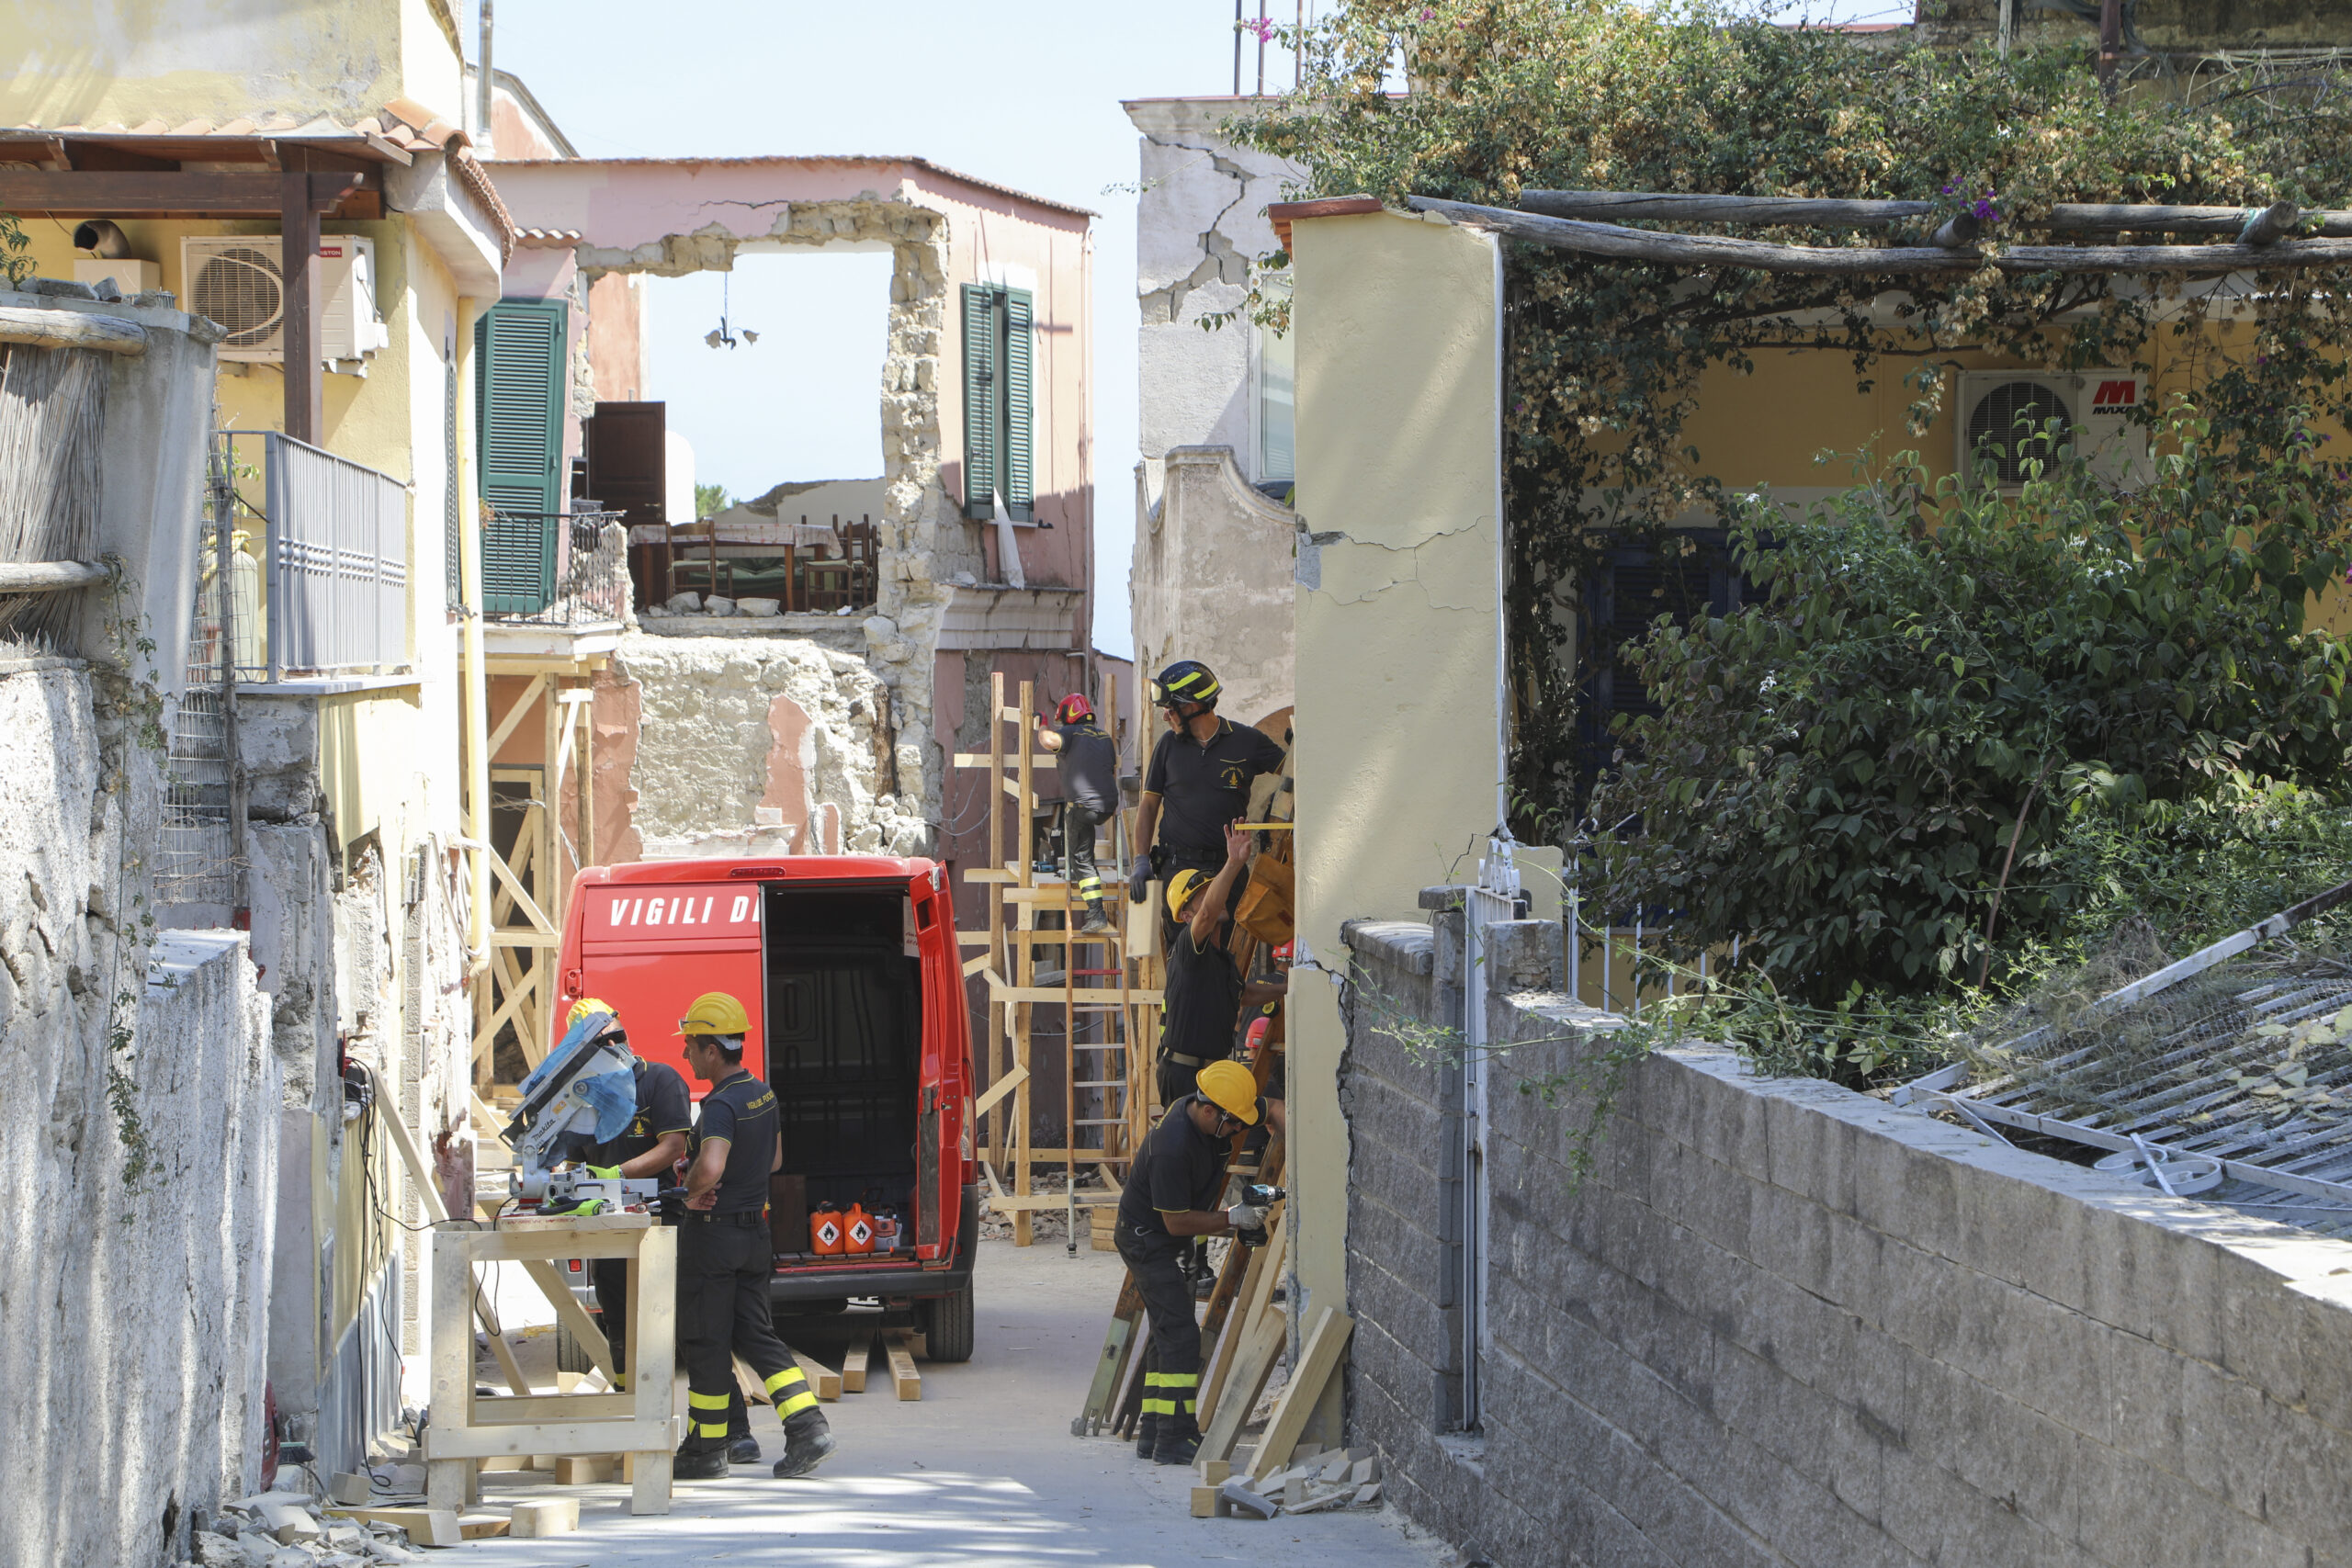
x=983 y=1469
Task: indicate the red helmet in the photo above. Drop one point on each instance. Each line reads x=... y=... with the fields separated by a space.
x=1074 y=709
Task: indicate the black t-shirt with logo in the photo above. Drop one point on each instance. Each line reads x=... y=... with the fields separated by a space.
x=1181 y=1169
x=662 y=1107
x=1088 y=763
x=1203 y=786
x=1202 y=999
x=742 y=1110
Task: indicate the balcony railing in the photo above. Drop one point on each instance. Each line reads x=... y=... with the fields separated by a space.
x=555 y=569
x=332 y=570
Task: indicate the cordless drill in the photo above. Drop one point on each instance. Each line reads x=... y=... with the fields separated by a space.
x=1258 y=1195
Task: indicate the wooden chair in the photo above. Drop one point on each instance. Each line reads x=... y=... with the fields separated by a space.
x=849 y=578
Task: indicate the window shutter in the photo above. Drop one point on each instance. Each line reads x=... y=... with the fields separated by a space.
x=982 y=399
x=518 y=400
x=1020 y=488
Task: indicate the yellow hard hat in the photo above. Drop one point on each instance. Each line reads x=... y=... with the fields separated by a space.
x=1180 y=887
x=715 y=1013
x=1231 y=1087
x=585 y=1006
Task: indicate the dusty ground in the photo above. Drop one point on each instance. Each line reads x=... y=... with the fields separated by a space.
x=984 y=1469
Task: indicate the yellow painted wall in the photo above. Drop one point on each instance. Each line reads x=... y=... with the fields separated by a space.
x=95 y=62
x=1398 y=758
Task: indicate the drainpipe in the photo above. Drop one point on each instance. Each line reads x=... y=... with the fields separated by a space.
x=477 y=743
x=482 y=90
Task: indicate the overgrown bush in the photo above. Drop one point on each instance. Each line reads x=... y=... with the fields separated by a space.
x=1870 y=776
x=1605 y=357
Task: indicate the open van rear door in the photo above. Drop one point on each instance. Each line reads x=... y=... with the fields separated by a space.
x=654 y=947
x=939 y=1170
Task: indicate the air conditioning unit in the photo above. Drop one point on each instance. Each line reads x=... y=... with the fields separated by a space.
x=1997 y=407
x=235 y=280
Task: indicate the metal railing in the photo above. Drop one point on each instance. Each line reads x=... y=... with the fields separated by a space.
x=333 y=560
x=555 y=569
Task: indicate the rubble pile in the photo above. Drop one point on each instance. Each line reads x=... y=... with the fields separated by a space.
x=289 y=1529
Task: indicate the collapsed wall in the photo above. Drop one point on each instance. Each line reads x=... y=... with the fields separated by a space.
x=921 y=537
x=755 y=745
x=138 y=1151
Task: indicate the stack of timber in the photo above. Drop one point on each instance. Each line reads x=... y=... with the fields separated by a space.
x=1103 y=990
x=899 y=1348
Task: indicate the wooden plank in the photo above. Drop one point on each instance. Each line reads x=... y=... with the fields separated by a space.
x=998 y=1091
x=1107 y=1368
x=853 y=1366
x=1252 y=1367
x=513 y=718
x=982 y=760
x=823 y=1381
x=425 y=1527
x=904 y=1376
x=1040 y=1201
x=481 y=1527
x=1318 y=1359
x=1258 y=1282
x=548 y=1438
x=509 y=1410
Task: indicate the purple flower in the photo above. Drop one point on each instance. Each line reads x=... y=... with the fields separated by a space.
x=1262 y=27
x=1427 y=15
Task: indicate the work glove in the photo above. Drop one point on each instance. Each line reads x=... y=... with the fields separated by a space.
x=606 y=1172
x=1246 y=1217
x=1139 y=880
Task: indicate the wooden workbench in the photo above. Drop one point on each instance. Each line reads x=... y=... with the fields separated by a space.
x=467 y=1426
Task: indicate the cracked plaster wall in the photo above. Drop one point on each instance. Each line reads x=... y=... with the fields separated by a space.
x=1209 y=578
x=1398 y=758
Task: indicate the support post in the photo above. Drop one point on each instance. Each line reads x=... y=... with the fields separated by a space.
x=224 y=596
x=298 y=276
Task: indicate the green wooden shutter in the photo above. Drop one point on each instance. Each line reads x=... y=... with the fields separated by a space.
x=1020 y=487
x=983 y=408
x=518 y=403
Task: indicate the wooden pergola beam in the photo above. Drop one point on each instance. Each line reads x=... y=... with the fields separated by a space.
x=1830 y=261
x=1679 y=207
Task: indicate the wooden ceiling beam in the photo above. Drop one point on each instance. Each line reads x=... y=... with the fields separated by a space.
x=211 y=192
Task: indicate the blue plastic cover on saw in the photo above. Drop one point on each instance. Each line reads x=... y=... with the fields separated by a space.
x=614 y=1094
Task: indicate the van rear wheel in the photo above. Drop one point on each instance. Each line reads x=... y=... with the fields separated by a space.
x=946 y=1322
x=571 y=1356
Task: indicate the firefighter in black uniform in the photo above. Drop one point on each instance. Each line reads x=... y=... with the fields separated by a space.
x=1090 y=771
x=725 y=1255
x=652 y=1147
x=1198 y=779
x=1205 y=993
x=1178 y=1176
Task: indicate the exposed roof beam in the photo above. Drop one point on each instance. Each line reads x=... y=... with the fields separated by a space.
x=1679 y=207
x=1717 y=251
x=209 y=191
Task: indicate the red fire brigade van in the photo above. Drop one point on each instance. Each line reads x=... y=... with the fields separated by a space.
x=849 y=969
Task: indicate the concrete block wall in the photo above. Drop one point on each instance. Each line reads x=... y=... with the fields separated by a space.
x=1780 y=1323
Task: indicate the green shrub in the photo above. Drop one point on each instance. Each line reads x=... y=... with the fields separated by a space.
x=1876 y=768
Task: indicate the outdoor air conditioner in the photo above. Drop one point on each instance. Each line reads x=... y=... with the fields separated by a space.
x=2101 y=403
x=235 y=280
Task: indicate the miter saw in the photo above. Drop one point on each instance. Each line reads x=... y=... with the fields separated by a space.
x=584 y=1094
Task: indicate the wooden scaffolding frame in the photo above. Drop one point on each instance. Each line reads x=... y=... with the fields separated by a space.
x=1118 y=1003
x=531 y=884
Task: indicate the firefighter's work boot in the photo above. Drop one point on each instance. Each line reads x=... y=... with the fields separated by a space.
x=745 y=1450
x=1096 y=922
x=1180 y=1440
x=807 y=1439
x=1147 y=1433
x=694 y=1462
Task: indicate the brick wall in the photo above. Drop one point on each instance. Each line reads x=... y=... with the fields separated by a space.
x=1782 y=1323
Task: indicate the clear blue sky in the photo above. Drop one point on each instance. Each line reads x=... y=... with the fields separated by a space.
x=1027 y=96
